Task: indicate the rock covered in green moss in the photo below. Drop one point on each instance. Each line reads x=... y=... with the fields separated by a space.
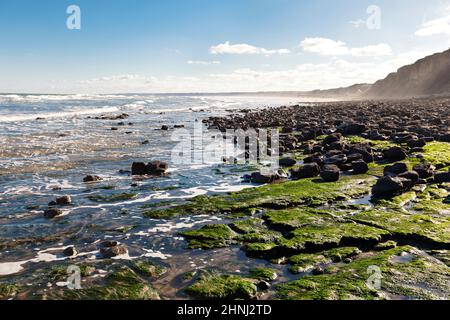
x=403 y=271
x=212 y=286
x=210 y=237
x=254 y=230
x=265 y=274
x=8 y=291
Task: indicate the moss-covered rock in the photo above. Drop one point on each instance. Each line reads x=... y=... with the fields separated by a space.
x=404 y=271
x=265 y=274
x=291 y=219
x=123 y=284
x=331 y=234
x=8 y=291
x=254 y=230
x=214 y=286
x=149 y=269
x=210 y=237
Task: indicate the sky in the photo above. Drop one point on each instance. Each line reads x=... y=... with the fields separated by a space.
x=166 y=46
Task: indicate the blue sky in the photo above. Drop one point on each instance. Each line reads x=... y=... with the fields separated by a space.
x=211 y=45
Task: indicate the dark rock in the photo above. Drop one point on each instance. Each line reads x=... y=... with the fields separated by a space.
x=109 y=244
x=330 y=173
x=395 y=169
x=410 y=175
x=64 y=201
x=360 y=167
x=416 y=143
x=111 y=252
x=287 y=162
x=336 y=160
x=309 y=170
x=138 y=169
x=318 y=271
x=388 y=187
x=145 y=142
x=52 y=213
x=425 y=170
x=70 y=251
x=164 y=128
x=260 y=178
x=154 y=168
x=263 y=285
x=442 y=177
x=332 y=138
x=394 y=154
x=92 y=179
x=353 y=128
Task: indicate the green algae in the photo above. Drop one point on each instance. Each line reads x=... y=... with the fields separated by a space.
x=294 y=218
x=265 y=274
x=254 y=230
x=305 y=262
x=432 y=201
x=213 y=286
x=123 y=284
x=275 y=196
x=8 y=291
x=330 y=234
x=418 y=227
x=210 y=237
x=149 y=269
x=386 y=245
x=437 y=153
x=400 y=277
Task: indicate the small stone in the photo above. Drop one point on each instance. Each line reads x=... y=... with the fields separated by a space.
x=395 y=169
x=70 y=251
x=287 y=162
x=330 y=173
x=111 y=252
x=395 y=154
x=360 y=167
x=52 y=213
x=263 y=285
x=165 y=128
x=64 y=201
x=91 y=178
x=318 y=271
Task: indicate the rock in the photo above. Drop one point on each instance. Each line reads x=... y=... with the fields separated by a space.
x=388 y=187
x=360 y=167
x=442 y=177
x=109 y=243
x=145 y=142
x=353 y=128
x=410 y=175
x=70 y=251
x=111 y=252
x=260 y=178
x=364 y=150
x=263 y=285
x=64 y=201
x=416 y=143
x=332 y=138
x=164 y=128
x=52 y=213
x=287 y=162
x=318 y=271
x=336 y=159
x=395 y=169
x=310 y=170
x=425 y=170
x=330 y=173
x=92 y=179
x=394 y=154
x=155 y=168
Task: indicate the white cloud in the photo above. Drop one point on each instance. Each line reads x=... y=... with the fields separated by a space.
x=203 y=63
x=243 y=48
x=329 y=47
x=436 y=26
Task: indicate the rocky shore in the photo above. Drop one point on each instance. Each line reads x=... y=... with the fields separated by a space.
x=362 y=195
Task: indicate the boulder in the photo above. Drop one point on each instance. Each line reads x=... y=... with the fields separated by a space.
x=111 y=252
x=336 y=159
x=155 y=168
x=360 y=167
x=416 y=143
x=70 y=251
x=91 y=178
x=52 y=213
x=332 y=138
x=425 y=170
x=388 y=187
x=64 y=201
x=287 y=162
x=442 y=177
x=410 y=175
x=394 y=154
x=330 y=173
x=309 y=170
x=261 y=178
x=395 y=169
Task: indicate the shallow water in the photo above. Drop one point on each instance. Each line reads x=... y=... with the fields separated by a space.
x=49 y=143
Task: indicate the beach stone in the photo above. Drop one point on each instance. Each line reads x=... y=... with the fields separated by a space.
x=425 y=170
x=395 y=169
x=287 y=162
x=263 y=285
x=416 y=143
x=442 y=177
x=260 y=178
x=394 y=154
x=410 y=175
x=309 y=170
x=332 y=138
x=388 y=187
x=109 y=243
x=52 y=213
x=111 y=252
x=338 y=159
x=70 y=251
x=64 y=201
x=330 y=173
x=165 y=128
x=360 y=167
x=91 y=178
x=138 y=169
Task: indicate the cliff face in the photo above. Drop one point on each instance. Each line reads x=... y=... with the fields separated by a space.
x=428 y=76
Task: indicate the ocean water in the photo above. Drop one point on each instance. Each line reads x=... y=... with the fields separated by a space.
x=49 y=143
